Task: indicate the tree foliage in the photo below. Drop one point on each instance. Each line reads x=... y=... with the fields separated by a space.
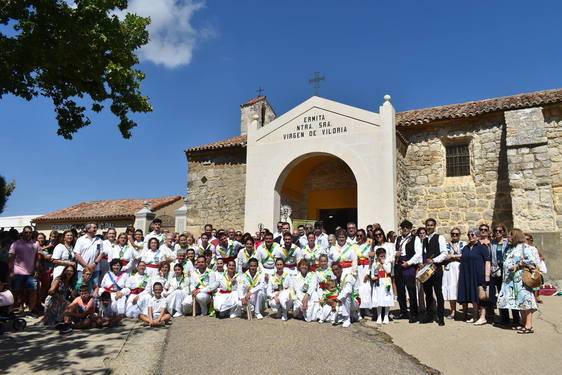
x=73 y=55
x=5 y=190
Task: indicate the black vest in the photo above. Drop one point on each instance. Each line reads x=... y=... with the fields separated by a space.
x=410 y=247
x=431 y=247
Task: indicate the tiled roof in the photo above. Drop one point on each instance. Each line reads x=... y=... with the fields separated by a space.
x=427 y=115
x=253 y=101
x=112 y=209
x=472 y=109
x=238 y=141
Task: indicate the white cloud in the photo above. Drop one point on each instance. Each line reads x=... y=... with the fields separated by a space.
x=172 y=35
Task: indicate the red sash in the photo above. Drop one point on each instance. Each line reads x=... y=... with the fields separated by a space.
x=292 y=266
x=228 y=259
x=124 y=262
x=314 y=267
x=110 y=290
x=363 y=262
x=137 y=290
x=225 y=291
x=323 y=285
x=345 y=264
x=153 y=265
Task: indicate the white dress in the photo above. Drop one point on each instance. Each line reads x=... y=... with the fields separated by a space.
x=116 y=283
x=227 y=296
x=382 y=295
x=451 y=273
x=363 y=269
x=177 y=292
x=301 y=287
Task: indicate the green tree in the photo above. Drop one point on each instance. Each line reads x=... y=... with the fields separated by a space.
x=77 y=56
x=5 y=191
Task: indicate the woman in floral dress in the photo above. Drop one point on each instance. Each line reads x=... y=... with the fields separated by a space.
x=514 y=295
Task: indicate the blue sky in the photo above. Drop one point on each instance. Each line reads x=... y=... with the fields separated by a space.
x=422 y=53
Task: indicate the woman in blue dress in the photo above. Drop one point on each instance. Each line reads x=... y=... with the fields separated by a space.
x=514 y=295
x=475 y=272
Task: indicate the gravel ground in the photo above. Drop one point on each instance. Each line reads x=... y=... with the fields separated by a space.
x=209 y=345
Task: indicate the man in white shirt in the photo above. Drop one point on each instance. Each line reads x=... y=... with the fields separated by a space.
x=351 y=233
x=156 y=233
x=321 y=236
x=88 y=251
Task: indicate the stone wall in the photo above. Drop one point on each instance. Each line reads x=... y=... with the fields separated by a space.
x=464 y=201
x=402 y=180
x=530 y=171
x=215 y=189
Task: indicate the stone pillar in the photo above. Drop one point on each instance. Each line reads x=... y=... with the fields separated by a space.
x=529 y=167
x=181 y=217
x=143 y=218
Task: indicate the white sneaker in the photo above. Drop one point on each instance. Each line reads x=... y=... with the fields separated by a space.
x=284 y=316
x=259 y=316
x=346 y=323
x=379 y=320
x=232 y=316
x=385 y=320
x=177 y=314
x=320 y=321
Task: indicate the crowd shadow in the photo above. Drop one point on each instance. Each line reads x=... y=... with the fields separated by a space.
x=46 y=351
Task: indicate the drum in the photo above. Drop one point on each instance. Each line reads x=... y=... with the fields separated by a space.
x=426 y=272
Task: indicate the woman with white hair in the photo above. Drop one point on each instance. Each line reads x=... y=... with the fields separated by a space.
x=475 y=276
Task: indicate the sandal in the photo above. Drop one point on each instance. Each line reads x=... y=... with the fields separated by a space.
x=517 y=328
x=525 y=331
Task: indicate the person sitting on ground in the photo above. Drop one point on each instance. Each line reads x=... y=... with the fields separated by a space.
x=328 y=303
x=178 y=292
x=105 y=315
x=80 y=313
x=60 y=295
x=253 y=288
x=156 y=313
x=278 y=290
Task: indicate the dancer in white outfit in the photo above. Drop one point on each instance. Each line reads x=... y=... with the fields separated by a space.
x=137 y=284
x=244 y=255
x=114 y=282
x=382 y=298
x=177 y=290
x=202 y=284
x=304 y=288
x=227 y=297
x=289 y=252
x=265 y=254
x=364 y=251
x=253 y=288
x=278 y=290
x=344 y=283
x=156 y=313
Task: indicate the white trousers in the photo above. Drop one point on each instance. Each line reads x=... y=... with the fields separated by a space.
x=311 y=313
x=175 y=301
x=284 y=301
x=118 y=306
x=256 y=300
x=203 y=300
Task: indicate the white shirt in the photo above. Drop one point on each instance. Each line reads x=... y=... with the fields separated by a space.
x=61 y=252
x=159 y=236
x=158 y=306
x=442 y=248
x=418 y=248
x=323 y=241
x=89 y=249
x=126 y=253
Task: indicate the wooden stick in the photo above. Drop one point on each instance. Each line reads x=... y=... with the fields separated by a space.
x=194 y=306
x=249 y=311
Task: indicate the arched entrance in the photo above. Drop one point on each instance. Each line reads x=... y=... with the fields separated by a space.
x=319 y=186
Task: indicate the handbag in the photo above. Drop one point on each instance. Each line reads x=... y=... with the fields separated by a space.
x=532 y=277
x=483 y=293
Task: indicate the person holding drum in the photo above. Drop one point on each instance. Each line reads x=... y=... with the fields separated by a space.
x=408 y=255
x=435 y=253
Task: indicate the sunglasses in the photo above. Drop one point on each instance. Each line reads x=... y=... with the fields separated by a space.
x=483 y=229
x=378 y=235
x=472 y=235
x=455 y=234
x=498 y=230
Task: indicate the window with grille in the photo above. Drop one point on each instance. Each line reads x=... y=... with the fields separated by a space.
x=458 y=160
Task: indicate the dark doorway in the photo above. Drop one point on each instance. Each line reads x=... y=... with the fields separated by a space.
x=337 y=217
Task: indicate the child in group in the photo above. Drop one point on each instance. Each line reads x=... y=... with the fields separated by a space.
x=156 y=313
x=328 y=302
x=79 y=314
x=382 y=297
x=105 y=315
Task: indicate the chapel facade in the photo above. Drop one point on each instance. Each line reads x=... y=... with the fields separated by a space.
x=490 y=161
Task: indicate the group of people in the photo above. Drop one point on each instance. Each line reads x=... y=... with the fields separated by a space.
x=89 y=280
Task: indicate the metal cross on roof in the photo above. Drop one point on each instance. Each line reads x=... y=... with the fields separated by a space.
x=259 y=91
x=316 y=80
